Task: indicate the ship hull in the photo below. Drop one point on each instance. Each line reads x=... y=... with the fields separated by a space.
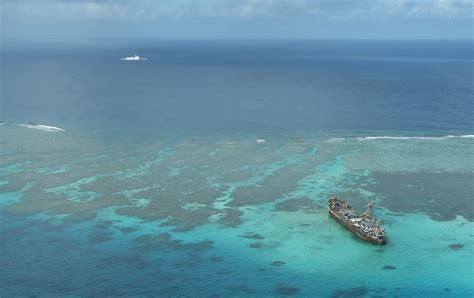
x=354 y=230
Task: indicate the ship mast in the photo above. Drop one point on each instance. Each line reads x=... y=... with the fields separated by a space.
x=370 y=205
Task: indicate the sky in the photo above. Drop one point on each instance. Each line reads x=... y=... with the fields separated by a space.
x=253 y=19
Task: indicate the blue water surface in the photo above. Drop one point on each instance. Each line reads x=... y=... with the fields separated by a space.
x=242 y=85
x=205 y=170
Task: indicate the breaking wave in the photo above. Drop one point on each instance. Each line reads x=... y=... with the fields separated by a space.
x=372 y=138
x=42 y=127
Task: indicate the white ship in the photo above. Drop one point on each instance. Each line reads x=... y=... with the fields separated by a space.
x=133 y=58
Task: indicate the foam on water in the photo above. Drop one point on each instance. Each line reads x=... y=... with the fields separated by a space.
x=372 y=138
x=42 y=127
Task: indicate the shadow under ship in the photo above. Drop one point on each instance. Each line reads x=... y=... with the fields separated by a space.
x=365 y=226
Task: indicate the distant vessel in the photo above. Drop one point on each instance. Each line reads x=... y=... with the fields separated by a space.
x=365 y=226
x=134 y=58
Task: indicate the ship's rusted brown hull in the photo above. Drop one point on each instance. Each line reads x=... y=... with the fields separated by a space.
x=350 y=226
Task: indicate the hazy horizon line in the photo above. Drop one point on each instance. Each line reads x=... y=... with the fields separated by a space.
x=4 y=40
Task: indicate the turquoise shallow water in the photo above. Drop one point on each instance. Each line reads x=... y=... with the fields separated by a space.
x=90 y=214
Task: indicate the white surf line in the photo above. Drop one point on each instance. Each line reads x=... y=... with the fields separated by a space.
x=335 y=140
x=404 y=138
x=372 y=138
x=42 y=127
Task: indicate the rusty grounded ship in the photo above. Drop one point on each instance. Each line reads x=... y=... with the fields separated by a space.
x=365 y=226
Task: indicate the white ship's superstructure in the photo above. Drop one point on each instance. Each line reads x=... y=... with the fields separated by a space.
x=134 y=58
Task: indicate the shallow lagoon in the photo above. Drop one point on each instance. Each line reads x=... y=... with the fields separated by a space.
x=91 y=214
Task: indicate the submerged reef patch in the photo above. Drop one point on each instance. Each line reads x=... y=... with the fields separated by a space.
x=300 y=204
x=127 y=230
x=456 y=246
x=129 y=260
x=34 y=201
x=285 y=290
x=255 y=245
x=278 y=263
x=252 y=235
x=99 y=236
x=136 y=180
x=166 y=203
x=353 y=292
x=104 y=224
x=216 y=259
x=164 y=241
x=231 y=218
x=443 y=196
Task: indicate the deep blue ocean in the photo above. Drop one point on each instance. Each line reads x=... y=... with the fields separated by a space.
x=205 y=169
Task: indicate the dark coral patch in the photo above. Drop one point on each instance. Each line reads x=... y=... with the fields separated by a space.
x=456 y=246
x=252 y=235
x=272 y=187
x=284 y=290
x=99 y=237
x=216 y=259
x=104 y=224
x=231 y=218
x=278 y=263
x=164 y=241
x=132 y=261
x=255 y=245
x=354 y=292
x=442 y=201
x=303 y=204
x=389 y=267
x=127 y=230
x=328 y=238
